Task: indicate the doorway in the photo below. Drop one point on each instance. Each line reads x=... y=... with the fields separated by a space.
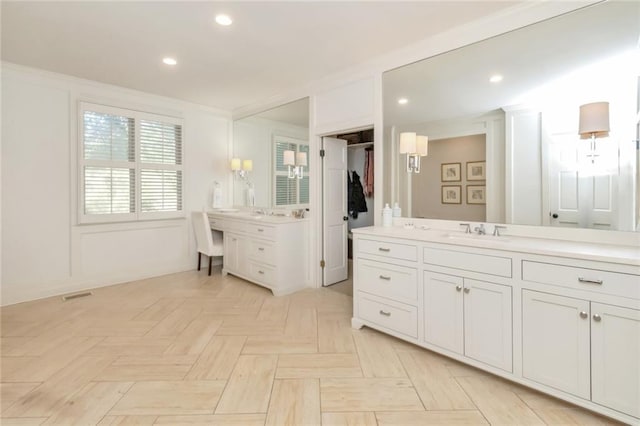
x=347 y=201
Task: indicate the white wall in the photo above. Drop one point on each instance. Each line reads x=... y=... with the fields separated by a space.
x=253 y=139
x=44 y=251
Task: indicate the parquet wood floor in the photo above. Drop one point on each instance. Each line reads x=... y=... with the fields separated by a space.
x=188 y=349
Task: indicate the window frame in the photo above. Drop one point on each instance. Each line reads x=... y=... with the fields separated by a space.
x=275 y=172
x=136 y=166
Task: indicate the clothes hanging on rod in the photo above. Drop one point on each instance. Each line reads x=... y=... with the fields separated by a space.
x=368 y=172
x=356 y=201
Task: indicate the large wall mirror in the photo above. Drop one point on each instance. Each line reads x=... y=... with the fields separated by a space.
x=268 y=139
x=538 y=126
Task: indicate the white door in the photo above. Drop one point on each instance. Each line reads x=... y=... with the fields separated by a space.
x=487 y=323
x=615 y=358
x=582 y=192
x=555 y=342
x=443 y=311
x=334 y=188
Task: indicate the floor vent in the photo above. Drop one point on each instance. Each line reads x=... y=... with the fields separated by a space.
x=77 y=295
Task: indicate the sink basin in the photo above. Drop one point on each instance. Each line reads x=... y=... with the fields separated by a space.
x=475 y=237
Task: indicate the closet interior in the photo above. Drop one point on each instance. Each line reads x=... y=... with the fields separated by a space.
x=360 y=161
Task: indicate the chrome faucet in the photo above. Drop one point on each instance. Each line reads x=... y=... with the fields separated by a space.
x=496 y=230
x=480 y=229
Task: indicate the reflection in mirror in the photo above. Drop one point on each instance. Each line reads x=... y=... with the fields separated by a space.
x=502 y=117
x=264 y=138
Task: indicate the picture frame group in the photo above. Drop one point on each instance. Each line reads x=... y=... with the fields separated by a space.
x=476 y=171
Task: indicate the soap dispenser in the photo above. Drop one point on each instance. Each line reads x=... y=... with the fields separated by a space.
x=387 y=219
x=397 y=211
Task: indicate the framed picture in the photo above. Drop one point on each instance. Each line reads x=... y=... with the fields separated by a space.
x=451 y=194
x=476 y=194
x=477 y=170
x=450 y=172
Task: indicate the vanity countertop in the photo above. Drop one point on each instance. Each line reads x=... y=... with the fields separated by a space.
x=620 y=254
x=249 y=216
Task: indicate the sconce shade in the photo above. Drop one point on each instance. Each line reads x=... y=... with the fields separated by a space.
x=407 y=143
x=301 y=159
x=288 y=158
x=594 y=119
x=422 y=145
x=247 y=165
x=235 y=164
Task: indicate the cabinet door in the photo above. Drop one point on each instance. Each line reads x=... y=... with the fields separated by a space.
x=488 y=323
x=232 y=252
x=443 y=311
x=615 y=358
x=555 y=342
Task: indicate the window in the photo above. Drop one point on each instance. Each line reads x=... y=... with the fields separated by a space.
x=130 y=165
x=289 y=192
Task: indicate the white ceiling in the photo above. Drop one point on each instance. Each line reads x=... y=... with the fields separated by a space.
x=456 y=84
x=271 y=47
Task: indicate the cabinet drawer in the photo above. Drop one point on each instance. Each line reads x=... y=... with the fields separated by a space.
x=595 y=280
x=392 y=315
x=387 y=280
x=217 y=224
x=483 y=263
x=263 y=231
x=234 y=225
x=262 y=251
x=266 y=275
x=390 y=250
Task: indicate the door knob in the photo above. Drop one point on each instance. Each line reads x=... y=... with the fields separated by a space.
x=554 y=215
x=345 y=218
x=597 y=318
x=458 y=288
x=583 y=314
x=467 y=290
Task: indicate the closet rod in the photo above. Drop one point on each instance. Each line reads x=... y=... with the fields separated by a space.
x=363 y=144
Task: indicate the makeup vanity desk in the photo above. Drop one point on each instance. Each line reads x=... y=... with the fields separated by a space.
x=267 y=250
x=560 y=317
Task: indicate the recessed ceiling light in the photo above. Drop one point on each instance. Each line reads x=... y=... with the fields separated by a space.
x=403 y=101
x=169 y=61
x=224 y=20
x=496 y=78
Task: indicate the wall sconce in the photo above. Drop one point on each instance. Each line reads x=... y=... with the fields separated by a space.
x=594 y=123
x=415 y=146
x=295 y=167
x=241 y=168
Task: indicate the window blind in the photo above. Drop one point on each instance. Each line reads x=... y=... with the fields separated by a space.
x=289 y=192
x=160 y=186
x=131 y=165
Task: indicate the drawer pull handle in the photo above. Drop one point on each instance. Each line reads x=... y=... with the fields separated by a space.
x=458 y=288
x=261 y=272
x=386 y=250
x=261 y=248
x=583 y=314
x=386 y=314
x=588 y=281
x=597 y=318
x=382 y=277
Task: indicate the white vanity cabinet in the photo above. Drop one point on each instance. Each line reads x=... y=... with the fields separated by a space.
x=469 y=317
x=386 y=293
x=268 y=251
x=563 y=318
x=581 y=345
